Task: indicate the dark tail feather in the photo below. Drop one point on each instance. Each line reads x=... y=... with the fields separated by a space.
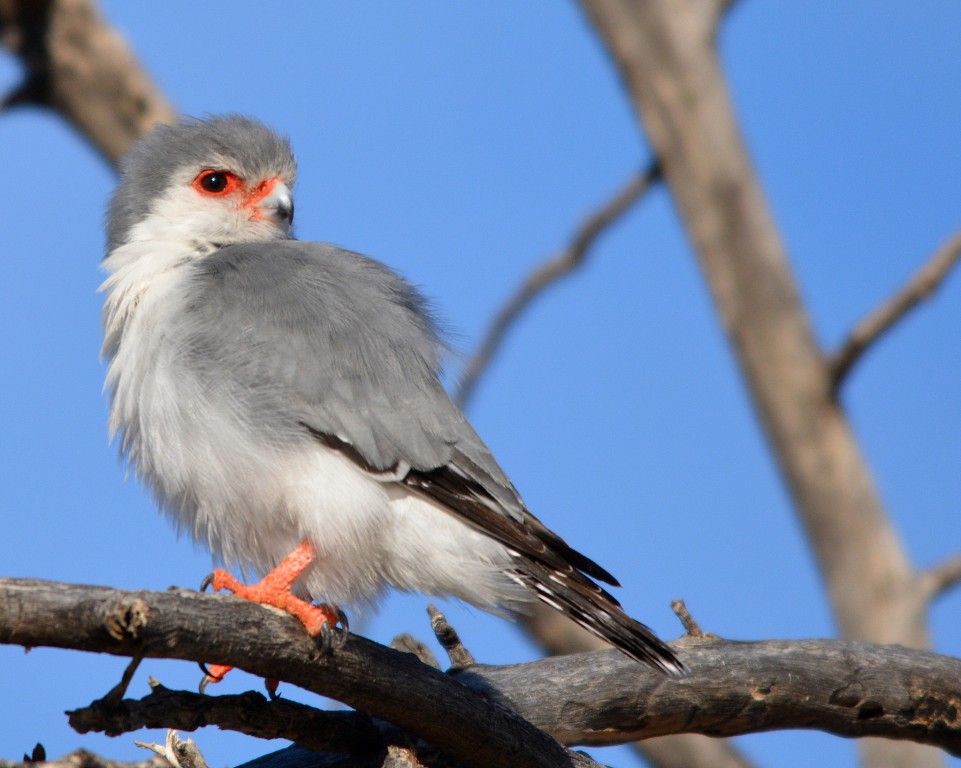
x=581 y=600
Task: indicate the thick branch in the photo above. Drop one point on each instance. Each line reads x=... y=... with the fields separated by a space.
x=666 y=54
x=846 y=688
x=557 y=634
x=551 y=271
x=673 y=76
x=920 y=287
x=82 y=68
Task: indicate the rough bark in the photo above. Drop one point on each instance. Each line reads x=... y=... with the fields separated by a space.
x=484 y=715
x=665 y=52
x=558 y=635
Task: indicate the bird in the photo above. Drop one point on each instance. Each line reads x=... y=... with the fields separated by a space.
x=282 y=400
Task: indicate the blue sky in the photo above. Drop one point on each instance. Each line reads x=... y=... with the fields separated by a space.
x=461 y=143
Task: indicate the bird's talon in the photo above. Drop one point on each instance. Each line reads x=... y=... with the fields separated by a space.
x=271 y=683
x=326 y=639
x=340 y=637
x=213 y=674
x=208 y=580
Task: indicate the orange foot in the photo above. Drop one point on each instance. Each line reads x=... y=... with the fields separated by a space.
x=274 y=590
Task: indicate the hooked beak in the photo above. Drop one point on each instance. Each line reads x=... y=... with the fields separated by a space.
x=274 y=203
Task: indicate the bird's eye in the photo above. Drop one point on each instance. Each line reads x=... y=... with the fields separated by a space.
x=216 y=183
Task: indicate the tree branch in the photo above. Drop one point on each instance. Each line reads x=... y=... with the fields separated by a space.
x=186 y=625
x=942 y=577
x=79 y=66
x=665 y=51
x=551 y=271
x=920 y=287
x=251 y=713
x=557 y=634
x=845 y=688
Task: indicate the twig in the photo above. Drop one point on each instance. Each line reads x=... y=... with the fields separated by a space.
x=117 y=693
x=921 y=286
x=460 y=657
x=942 y=577
x=549 y=272
x=692 y=628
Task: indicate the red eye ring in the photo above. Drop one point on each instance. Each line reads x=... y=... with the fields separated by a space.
x=213 y=182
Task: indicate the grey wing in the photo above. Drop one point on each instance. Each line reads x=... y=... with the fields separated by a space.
x=313 y=342
x=328 y=343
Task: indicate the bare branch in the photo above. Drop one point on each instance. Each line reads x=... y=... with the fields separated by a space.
x=691 y=627
x=842 y=687
x=551 y=271
x=393 y=686
x=671 y=70
x=557 y=634
x=460 y=657
x=250 y=713
x=920 y=287
x=942 y=577
x=79 y=66
x=336 y=733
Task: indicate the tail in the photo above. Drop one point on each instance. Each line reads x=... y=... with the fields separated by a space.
x=586 y=603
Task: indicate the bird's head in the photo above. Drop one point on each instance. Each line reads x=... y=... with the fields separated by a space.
x=211 y=183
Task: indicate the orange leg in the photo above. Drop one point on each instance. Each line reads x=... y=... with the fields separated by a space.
x=274 y=590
